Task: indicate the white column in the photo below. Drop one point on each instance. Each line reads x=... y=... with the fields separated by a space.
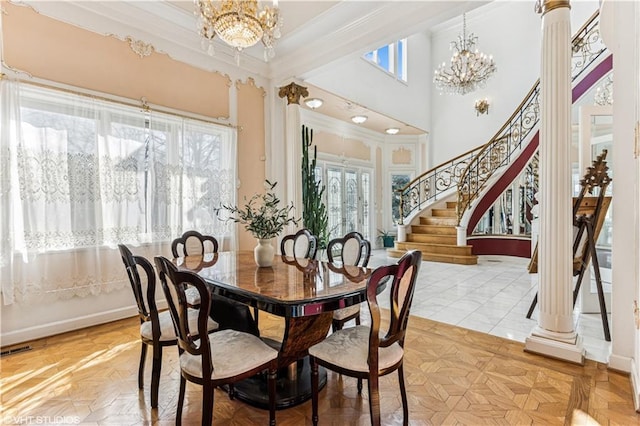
x=293 y=148
x=555 y=333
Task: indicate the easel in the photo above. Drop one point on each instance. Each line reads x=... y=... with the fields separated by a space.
x=588 y=217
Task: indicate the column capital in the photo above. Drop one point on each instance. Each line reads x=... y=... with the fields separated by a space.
x=544 y=6
x=293 y=92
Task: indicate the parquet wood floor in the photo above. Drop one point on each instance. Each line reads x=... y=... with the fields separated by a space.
x=454 y=376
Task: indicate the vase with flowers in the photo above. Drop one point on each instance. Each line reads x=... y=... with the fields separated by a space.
x=263 y=217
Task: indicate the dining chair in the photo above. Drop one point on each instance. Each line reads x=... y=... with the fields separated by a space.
x=352 y=249
x=302 y=244
x=193 y=243
x=226 y=312
x=362 y=351
x=221 y=358
x=156 y=328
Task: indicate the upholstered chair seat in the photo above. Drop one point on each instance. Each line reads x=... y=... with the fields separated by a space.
x=356 y=339
x=167 y=332
x=249 y=352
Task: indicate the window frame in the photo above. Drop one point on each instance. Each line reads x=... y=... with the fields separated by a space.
x=398 y=58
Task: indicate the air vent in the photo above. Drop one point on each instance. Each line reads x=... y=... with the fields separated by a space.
x=15 y=350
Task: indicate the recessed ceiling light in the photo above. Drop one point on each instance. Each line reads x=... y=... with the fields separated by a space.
x=359 y=119
x=314 y=103
x=392 y=130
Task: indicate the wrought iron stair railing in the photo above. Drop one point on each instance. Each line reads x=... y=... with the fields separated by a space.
x=469 y=172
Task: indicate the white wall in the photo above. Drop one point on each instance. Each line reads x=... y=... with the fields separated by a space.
x=362 y=82
x=510 y=31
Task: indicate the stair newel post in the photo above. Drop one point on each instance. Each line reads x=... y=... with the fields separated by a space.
x=461 y=235
x=401 y=228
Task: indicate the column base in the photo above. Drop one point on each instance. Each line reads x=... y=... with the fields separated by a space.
x=564 y=346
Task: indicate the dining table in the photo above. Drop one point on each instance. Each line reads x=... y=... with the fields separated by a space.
x=304 y=292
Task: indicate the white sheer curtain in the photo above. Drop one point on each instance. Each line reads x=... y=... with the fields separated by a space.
x=80 y=175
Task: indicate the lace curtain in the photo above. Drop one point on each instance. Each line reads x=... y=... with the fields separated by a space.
x=80 y=175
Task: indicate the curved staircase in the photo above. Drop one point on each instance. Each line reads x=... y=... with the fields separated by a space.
x=479 y=174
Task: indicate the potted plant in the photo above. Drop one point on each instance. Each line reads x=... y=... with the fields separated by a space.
x=263 y=217
x=385 y=237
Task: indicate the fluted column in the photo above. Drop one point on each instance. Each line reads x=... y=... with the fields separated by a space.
x=555 y=333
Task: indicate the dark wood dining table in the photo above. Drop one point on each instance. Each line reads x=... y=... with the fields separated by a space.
x=303 y=291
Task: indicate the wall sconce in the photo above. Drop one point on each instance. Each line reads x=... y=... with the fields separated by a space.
x=482 y=106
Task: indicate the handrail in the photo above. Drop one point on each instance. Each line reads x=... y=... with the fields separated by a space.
x=433 y=182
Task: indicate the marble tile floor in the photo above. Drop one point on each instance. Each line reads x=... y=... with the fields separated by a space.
x=492 y=297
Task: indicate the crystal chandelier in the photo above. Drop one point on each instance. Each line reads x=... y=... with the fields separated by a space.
x=239 y=23
x=469 y=69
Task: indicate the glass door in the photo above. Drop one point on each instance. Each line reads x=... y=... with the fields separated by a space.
x=596 y=134
x=348 y=196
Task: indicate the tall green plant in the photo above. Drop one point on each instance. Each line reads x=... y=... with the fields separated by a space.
x=314 y=213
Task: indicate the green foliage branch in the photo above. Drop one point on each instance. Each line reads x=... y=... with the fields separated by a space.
x=261 y=215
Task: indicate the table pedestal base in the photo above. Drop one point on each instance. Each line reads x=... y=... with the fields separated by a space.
x=293 y=386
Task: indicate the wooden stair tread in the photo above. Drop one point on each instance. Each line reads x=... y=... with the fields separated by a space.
x=433 y=229
x=435 y=257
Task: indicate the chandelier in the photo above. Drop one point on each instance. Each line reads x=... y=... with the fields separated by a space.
x=469 y=69
x=239 y=23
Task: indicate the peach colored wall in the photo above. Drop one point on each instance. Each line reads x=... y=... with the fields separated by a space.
x=60 y=52
x=401 y=156
x=251 y=149
x=331 y=143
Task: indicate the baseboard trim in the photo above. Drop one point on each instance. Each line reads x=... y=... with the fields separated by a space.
x=45 y=330
x=620 y=363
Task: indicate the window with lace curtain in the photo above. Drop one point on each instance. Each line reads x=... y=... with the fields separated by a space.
x=80 y=175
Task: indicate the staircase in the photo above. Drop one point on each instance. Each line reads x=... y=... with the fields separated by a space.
x=435 y=236
x=480 y=175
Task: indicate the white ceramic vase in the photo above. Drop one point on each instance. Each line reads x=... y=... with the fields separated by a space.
x=264 y=252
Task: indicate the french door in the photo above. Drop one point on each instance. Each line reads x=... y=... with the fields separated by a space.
x=348 y=199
